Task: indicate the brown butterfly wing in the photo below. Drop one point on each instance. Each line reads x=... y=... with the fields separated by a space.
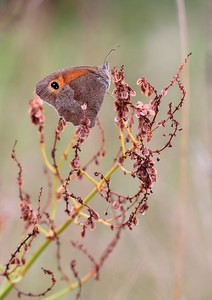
x=88 y=89
x=67 y=107
x=44 y=89
x=77 y=86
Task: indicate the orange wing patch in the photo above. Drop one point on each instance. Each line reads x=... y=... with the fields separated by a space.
x=73 y=74
x=64 y=78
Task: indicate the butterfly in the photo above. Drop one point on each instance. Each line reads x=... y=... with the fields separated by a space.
x=69 y=89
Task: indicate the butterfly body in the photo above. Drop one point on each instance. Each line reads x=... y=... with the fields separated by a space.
x=68 y=89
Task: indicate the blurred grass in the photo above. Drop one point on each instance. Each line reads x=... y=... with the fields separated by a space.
x=38 y=37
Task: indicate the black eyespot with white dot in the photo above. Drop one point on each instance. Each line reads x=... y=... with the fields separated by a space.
x=55 y=85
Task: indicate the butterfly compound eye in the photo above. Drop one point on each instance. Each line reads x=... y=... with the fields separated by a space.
x=55 y=85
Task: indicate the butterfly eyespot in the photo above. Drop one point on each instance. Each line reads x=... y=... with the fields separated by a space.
x=55 y=85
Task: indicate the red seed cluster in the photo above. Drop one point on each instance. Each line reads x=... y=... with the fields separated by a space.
x=36 y=111
x=122 y=93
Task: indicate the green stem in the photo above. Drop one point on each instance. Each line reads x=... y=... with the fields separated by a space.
x=8 y=286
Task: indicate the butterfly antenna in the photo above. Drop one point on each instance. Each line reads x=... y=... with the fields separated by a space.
x=113 y=49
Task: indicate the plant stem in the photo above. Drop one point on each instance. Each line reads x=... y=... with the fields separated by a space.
x=8 y=286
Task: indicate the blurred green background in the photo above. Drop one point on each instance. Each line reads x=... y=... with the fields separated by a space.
x=40 y=36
